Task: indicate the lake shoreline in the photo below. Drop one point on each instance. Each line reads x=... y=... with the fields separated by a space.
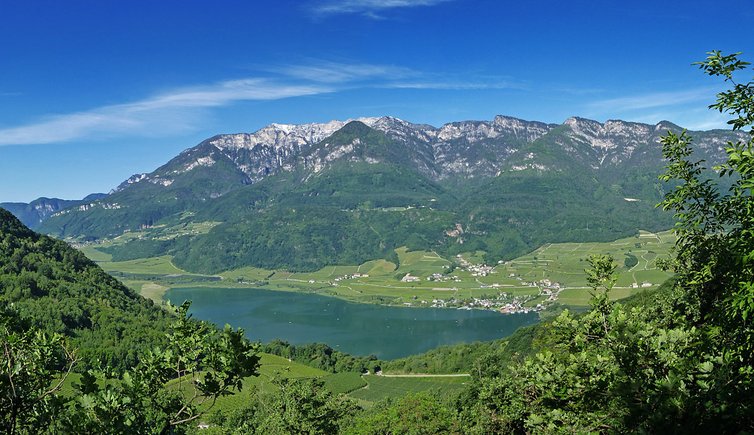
x=223 y=285
x=355 y=328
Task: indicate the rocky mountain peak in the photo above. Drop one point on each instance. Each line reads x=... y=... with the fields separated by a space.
x=387 y=123
x=526 y=130
x=458 y=151
x=465 y=148
x=135 y=178
x=295 y=136
x=664 y=126
x=278 y=136
x=611 y=136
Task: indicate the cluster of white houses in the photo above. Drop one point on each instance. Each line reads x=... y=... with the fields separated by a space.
x=475 y=269
x=505 y=304
x=354 y=276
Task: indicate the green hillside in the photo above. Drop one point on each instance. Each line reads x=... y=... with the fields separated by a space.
x=354 y=213
x=60 y=290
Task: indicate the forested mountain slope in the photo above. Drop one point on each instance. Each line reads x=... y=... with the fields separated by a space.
x=58 y=289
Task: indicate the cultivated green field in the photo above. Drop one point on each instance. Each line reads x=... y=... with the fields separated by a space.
x=344 y=383
x=565 y=263
x=95 y=254
x=380 y=281
x=366 y=389
x=382 y=387
x=143 y=266
x=270 y=366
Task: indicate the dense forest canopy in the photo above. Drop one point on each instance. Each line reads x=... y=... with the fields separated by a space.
x=59 y=290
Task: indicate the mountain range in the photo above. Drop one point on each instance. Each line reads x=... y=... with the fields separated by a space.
x=304 y=196
x=32 y=214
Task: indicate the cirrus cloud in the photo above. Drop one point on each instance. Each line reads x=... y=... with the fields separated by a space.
x=684 y=107
x=183 y=109
x=167 y=112
x=369 y=8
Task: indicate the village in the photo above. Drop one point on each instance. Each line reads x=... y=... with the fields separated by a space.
x=465 y=281
x=499 y=300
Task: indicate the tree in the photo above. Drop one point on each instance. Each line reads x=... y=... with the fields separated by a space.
x=163 y=393
x=294 y=406
x=601 y=273
x=169 y=386
x=30 y=374
x=682 y=362
x=714 y=254
x=418 y=413
x=715 y=249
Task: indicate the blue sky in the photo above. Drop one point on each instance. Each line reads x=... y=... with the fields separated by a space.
x=94 y=91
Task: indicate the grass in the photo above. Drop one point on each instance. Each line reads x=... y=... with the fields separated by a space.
x=144 y=266
x=419 y=263
x=270 y=367
x=565 y=262
x=96 y=255
x=182 y=229
x=342 y=383
x=364 y=389
x=377 y=267
x=381 y=387
x=67 y=389
x=153 y=291
x=379 y=281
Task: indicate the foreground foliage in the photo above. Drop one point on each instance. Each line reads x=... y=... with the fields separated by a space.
x=295 y=406
x=31 y=363
x=682 y=363
x=421 y=413
x=323 y=357
x=165 y=390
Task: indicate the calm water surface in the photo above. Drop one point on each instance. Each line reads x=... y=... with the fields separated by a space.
x=358 y=329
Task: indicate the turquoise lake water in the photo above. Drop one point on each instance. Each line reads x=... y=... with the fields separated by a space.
x=358 y=329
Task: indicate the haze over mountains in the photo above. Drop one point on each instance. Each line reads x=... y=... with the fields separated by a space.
x=343 y=192
x=34 y=213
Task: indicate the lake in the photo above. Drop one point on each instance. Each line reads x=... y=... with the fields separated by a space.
x=358 y=329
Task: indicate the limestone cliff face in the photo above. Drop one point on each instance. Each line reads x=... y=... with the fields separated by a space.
x=466 y=149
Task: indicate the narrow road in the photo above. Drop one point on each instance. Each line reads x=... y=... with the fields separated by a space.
x=418 y=375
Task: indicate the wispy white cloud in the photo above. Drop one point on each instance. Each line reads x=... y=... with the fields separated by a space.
x=167 y=112
x=692 y=119
x=652 y=100
x=709 y=121
x=455 y=85
x=184 y=109
x=570 y=90
x=686 y=108
x=389 y=76
x=333 y=72
x=369 y=8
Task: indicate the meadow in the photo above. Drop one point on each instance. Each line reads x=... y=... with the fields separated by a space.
x=365 y=389
x=383 y=387
x=382 y=282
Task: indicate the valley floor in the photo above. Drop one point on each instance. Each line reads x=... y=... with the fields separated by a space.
x=553 y=273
